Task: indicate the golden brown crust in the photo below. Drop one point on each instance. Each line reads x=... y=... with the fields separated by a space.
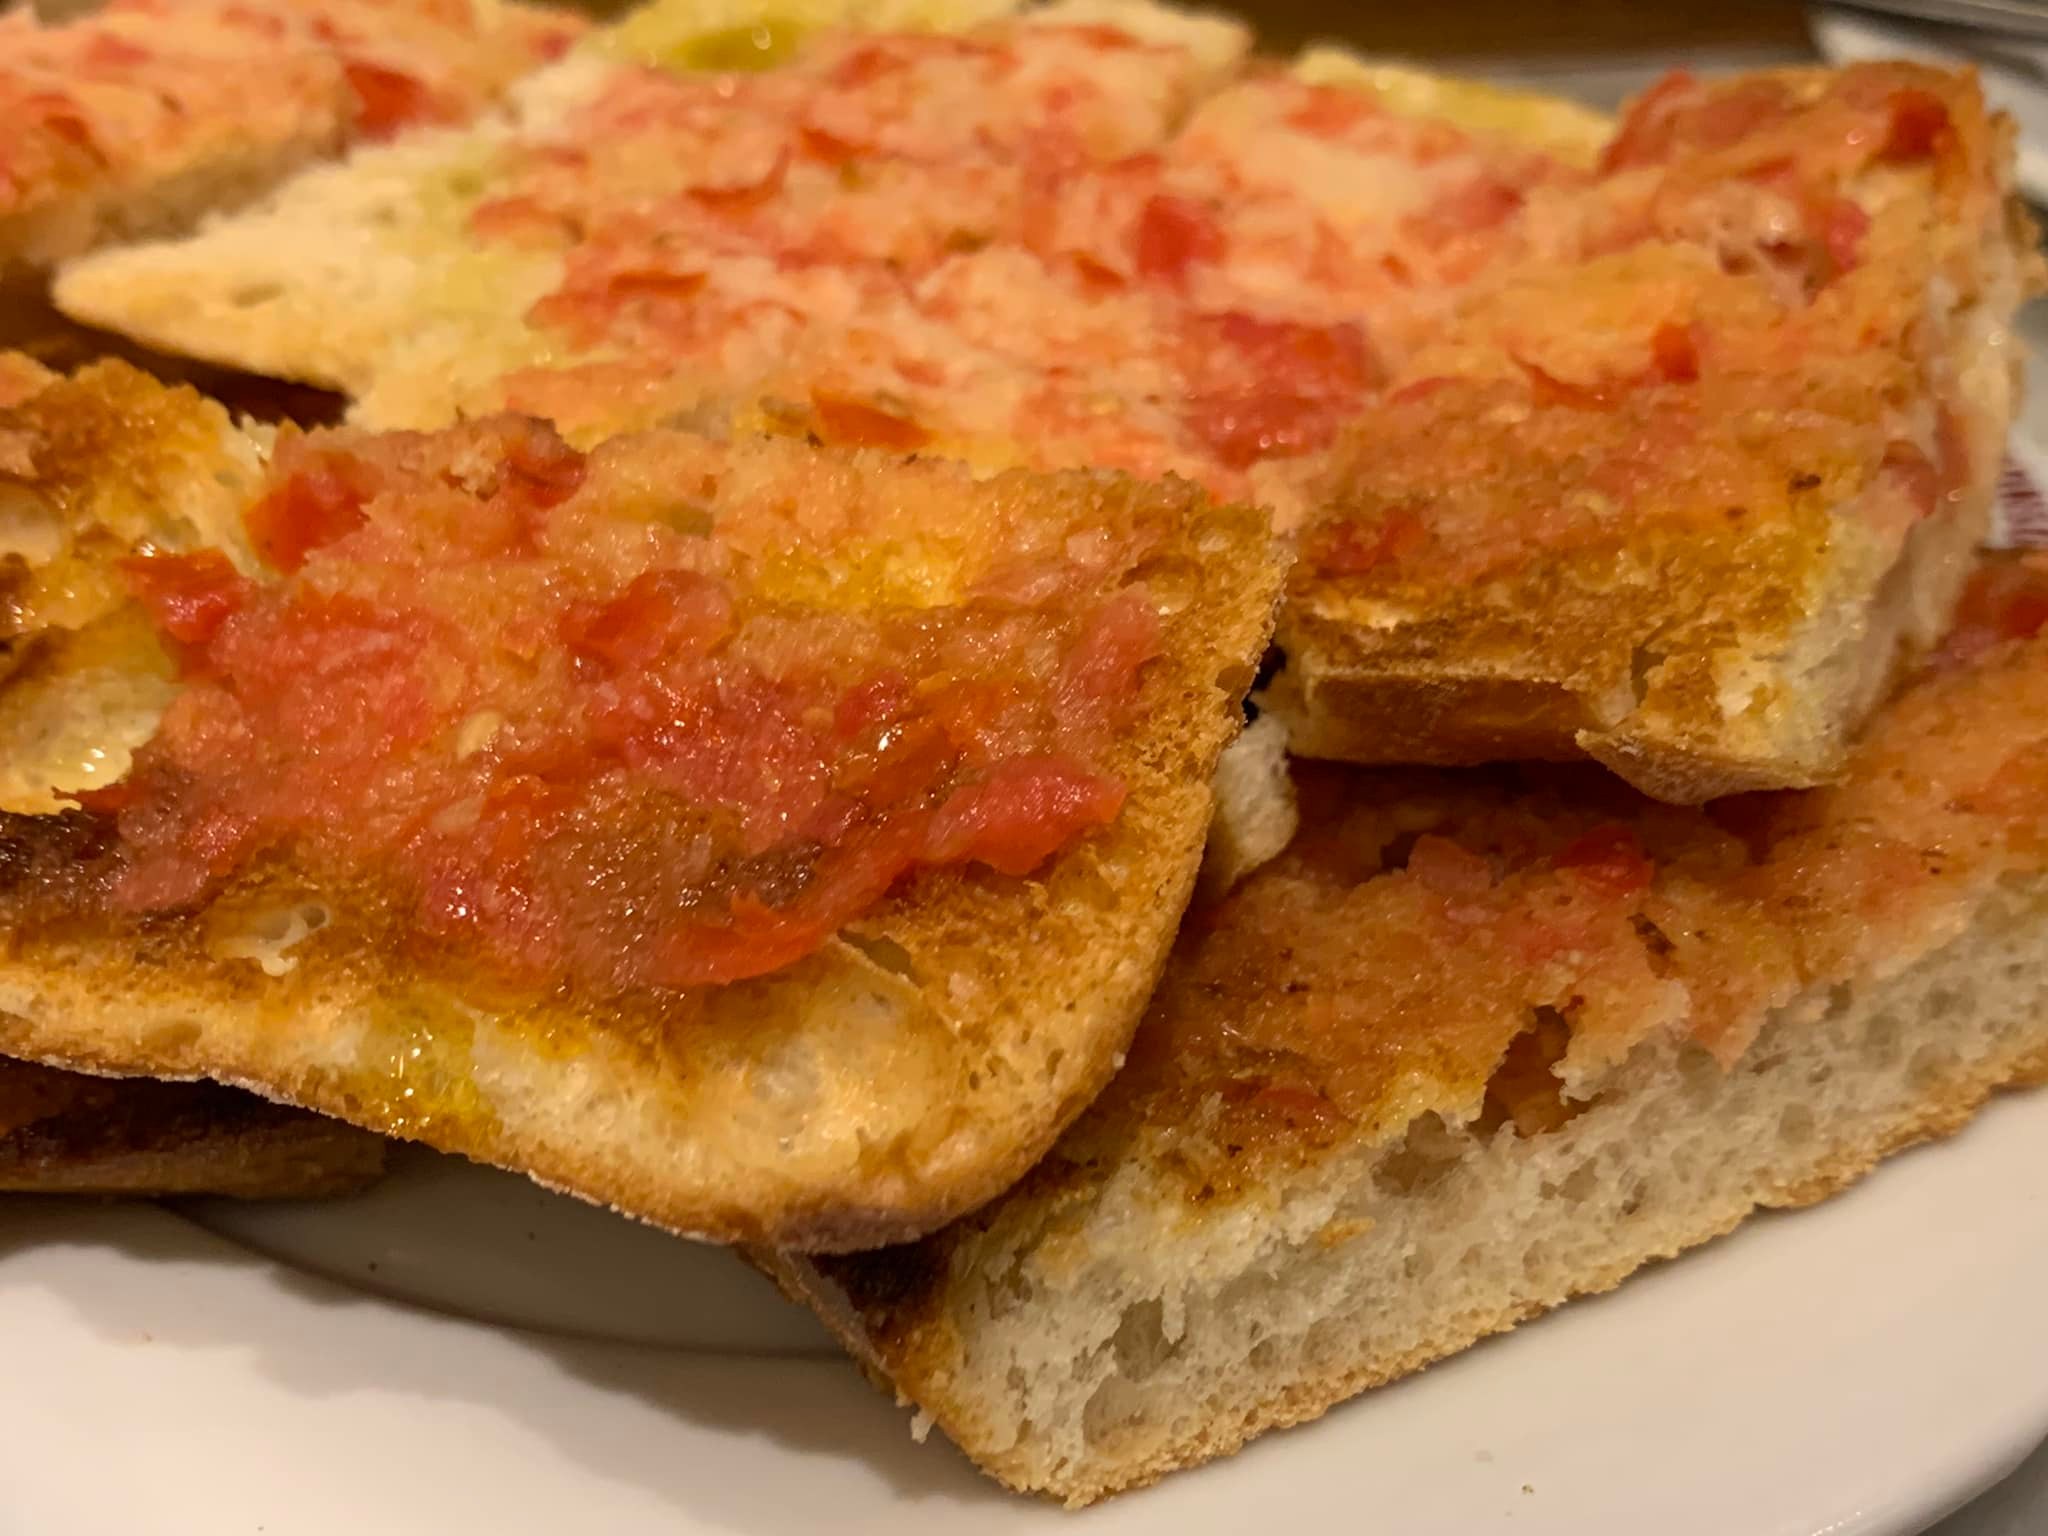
x=1651 y=518
x=994 y=1008
x=61 y=1133
x=93 y=468
x=1465 y=950
x=1644 y=504
x=1539 y=893
x=98 y=465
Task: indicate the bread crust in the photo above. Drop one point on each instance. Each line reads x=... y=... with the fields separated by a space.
x=1344 y=1070
x=993 y=1008
x=69 y=1135
x=1462 y=600
x=1705 y=591
x=1550 y=681
x=889 y=1318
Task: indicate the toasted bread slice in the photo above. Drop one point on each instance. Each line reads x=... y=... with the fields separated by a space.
x=1659 y=497
x=65 y=1134
x=1478 y=1043
x=898 y=1072
x=1666 y=462
x=404 y=277
x=137 y=118
x=755 y=254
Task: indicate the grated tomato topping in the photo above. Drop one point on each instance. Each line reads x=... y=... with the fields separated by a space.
x=617 y=737
x=138 y=89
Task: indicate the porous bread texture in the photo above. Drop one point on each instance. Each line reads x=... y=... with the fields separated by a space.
x=62 y=1134
x=910 y=1070
x=1157 y=1342
x=1477 y=1043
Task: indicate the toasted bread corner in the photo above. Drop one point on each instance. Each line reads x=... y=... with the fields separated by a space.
x=69 y=1135
x=1348 y=1145
x=995 y=1007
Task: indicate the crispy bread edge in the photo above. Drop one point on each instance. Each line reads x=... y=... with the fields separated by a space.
x=151 y=1139
x=1342 y=702
x=894 y=1311
x=1102 y=923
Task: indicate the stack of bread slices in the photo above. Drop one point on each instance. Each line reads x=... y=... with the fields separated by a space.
x=680 y=616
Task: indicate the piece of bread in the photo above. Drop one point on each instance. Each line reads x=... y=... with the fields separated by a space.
x=139 y=117
x=1478 y=1043
x=33 y=330
x=1679 y=492
x=65 y=1134
x=898 y=261
x=1666 y=462
x=895 y=1075
x=370 y=277
x=350 y=270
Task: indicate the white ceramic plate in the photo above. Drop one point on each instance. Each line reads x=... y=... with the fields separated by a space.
x=1854 y=1370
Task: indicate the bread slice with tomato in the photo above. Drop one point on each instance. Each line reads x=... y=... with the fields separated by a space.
x=1679 y=491
x=1065 y=234
x=666 y=221
x=1477 y=1043
x=772 y=843
x=1661 y=451
x=1054 y=234
x=135 y=119
x=62 y=1133
x=81 y=684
